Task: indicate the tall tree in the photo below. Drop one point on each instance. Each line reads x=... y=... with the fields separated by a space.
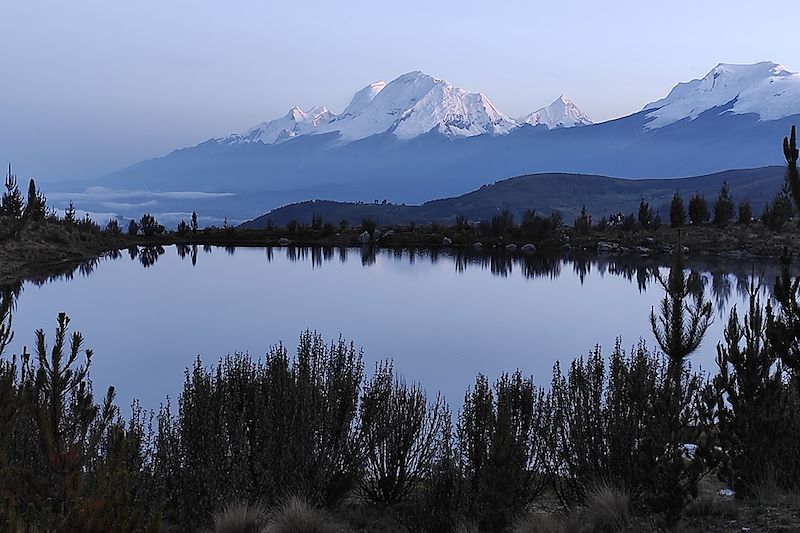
x=723 y=207
x=748 y=400
x=679 y=329
x=36 y=207
x=790 y=152
x=698 y=210
x=12 y=203
x=677 y=212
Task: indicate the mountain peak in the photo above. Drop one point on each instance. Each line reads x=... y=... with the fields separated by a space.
x=562 y=113
x=765 y=89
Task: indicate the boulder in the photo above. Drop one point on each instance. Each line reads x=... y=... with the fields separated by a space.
x=364 y=238
x=511 y=247
x=529 y=248
x=283 y=241
x=478 y=245
x=447 y=241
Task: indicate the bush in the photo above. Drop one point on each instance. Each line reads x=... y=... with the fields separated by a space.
x=747 y=400
x=583 y=223
x=502 y=448
x=400 y=430
x=262 y=430
x=149 y=226
x=598 y=414
x=778 y=213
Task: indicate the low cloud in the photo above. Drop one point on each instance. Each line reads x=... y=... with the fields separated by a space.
x=102 y=194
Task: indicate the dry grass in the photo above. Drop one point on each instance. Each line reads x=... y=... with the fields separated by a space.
x=466 y=526
x=297 y=516
x=240 y=518
x=548 y=523
x=608 y=509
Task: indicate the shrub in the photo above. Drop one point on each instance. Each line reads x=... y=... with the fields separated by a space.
x=266 y=429
x=583 y=223
x=400 y=429
x=501 y=224
x=598 y=415
x=149 y=226
x=747 y=400
x=501 y=446
x=779 y=212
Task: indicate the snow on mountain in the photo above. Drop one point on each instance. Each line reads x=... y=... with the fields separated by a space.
x=363 y=98
x=411 y=105
x=766 y=89
x=563 y=113
x=295 y=122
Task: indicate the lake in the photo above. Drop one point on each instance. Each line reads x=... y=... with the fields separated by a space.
x=442 y=316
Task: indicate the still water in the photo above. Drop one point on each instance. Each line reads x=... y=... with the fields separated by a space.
x=442 y=317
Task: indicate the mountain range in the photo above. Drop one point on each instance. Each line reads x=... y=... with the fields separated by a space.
x=419 y=137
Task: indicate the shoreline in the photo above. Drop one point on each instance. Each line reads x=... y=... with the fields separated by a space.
x=38 y=259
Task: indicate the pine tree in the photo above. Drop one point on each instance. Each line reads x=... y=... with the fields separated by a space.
x=194 y=221
x=69 y=214
x=745 y=213
x=679 y=329
x=723 y=207
x=646 y=215
x=790 y=152
x=11 y=205
x=36 y=207
x=783 y=326
x=677 y=212
x=747 y=399
x=698 y=210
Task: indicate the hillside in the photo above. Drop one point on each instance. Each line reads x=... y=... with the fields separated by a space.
x=545 y=193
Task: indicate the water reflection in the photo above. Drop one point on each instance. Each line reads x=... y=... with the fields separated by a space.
x=723 y=278
x=444 y=314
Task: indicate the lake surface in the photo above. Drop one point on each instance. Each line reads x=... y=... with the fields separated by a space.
x=442 y=317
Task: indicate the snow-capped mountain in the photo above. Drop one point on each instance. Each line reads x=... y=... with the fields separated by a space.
x=563 y=113
x=295 y=122
x=409 y=106
x=765 y=89
x=735 y=117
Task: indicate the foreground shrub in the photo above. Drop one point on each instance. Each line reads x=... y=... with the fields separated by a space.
x=265 y=430
x=66 y=462
x=749 y=403
x=599 y=415
x=400 y=429
x=502 y=449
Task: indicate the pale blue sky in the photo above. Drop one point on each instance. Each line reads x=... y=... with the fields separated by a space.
x=91 y=86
